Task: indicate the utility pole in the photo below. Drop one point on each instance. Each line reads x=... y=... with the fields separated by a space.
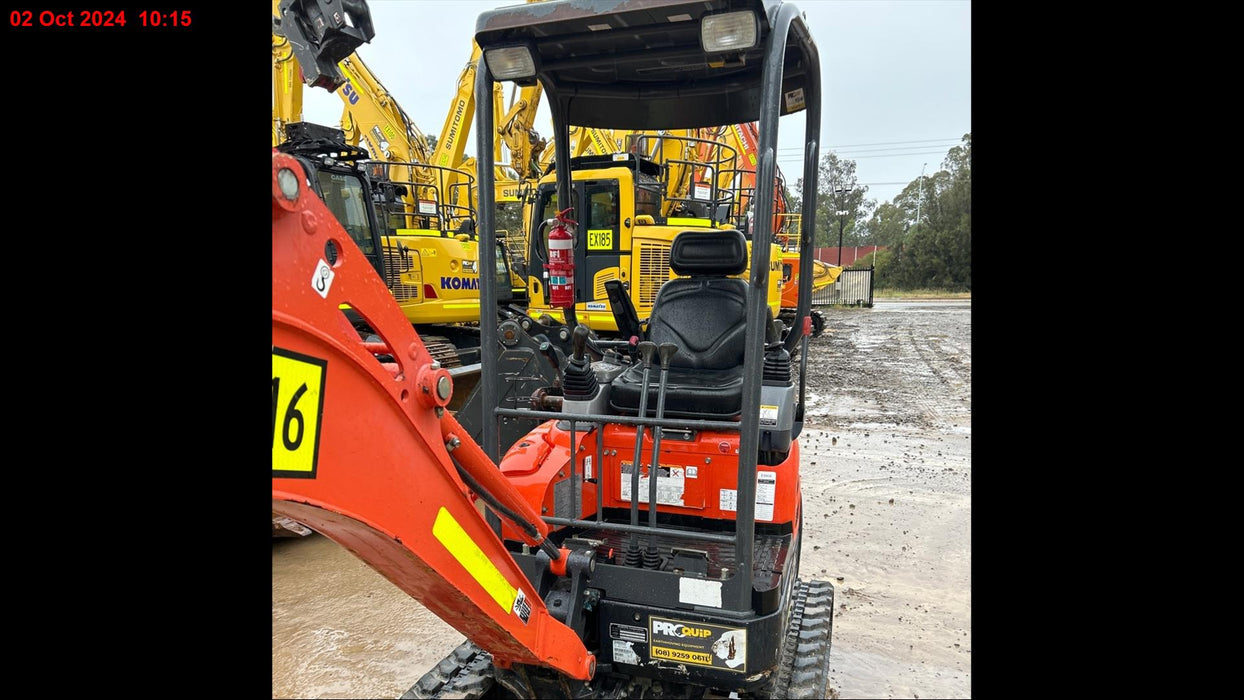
x=920 y=197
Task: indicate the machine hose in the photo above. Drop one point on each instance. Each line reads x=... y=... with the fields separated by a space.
x=529 y=528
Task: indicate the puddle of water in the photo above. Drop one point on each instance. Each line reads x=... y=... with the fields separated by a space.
x=341 y=630
x=936 y=306
x=858 y=674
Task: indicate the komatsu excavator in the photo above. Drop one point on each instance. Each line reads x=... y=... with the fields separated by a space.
x=616 y=550
x=415 y=219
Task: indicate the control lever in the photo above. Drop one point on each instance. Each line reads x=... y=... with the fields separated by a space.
x=579 y=381
x=646 y=350
x=578 y=341
x=652 y=559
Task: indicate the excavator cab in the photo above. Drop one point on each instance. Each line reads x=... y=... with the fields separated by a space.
x=337 y=172
x=674 y=467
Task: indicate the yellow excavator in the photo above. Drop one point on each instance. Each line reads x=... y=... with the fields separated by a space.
x=420 y=212
x=514 y=125
x=515 y=128
x=742 y=139
x=630 y=204
x=639 y=188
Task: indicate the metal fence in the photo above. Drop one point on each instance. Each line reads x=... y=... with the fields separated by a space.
x=852 y=288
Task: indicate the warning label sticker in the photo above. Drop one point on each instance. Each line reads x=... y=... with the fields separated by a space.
x=624 y=653
x=766 y=496
x=521 y=607
x=768 y=415
x=670 y=484
x=698 y=643
x=766 y=491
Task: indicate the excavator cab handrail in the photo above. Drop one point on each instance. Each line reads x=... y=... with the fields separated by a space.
x=681 y=178
x=739 y=196
x=437 y=197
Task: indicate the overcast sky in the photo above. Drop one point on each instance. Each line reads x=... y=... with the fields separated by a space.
x=895 y=79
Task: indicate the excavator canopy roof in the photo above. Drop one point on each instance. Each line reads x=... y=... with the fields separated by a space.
x=643 y=64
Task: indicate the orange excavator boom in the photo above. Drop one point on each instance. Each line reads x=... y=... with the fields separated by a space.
x=364 y=452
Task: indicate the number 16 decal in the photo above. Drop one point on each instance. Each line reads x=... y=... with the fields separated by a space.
x=297 y=407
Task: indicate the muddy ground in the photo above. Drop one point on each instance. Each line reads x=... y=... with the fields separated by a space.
x=887 y=488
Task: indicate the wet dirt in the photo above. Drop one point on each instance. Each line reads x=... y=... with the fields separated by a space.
x=886 y=468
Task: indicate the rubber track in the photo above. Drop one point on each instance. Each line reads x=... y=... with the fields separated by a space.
x=803 y=663
x=441 y=350
x=466 y=673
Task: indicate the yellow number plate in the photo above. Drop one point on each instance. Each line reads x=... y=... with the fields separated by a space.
x=600 y=239
x=297 y=406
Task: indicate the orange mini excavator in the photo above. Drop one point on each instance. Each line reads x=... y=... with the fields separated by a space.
x=643 y=540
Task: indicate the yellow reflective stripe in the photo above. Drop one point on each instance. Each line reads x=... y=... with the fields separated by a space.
x=450 y=534
x=685 y=221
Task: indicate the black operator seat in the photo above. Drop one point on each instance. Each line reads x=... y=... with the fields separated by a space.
x=705 y=316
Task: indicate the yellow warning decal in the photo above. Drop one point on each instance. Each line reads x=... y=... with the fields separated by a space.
x=768 y=415
x=691 y=657
x=297 y=406
x=600 y=239
x=450 y=534
x=687 y=221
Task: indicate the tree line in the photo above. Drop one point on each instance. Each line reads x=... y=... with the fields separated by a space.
x=926 y=229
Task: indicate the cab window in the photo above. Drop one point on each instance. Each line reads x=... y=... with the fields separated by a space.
x=602 y=204
x=546 y=208
x=648 y=202
x=343 y=195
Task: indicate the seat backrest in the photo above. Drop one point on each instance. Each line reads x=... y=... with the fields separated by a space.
x=705 y=314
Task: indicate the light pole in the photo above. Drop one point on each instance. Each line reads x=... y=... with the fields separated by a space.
x=841 y=222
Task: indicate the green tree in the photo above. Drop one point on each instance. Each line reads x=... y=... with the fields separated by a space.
x=928 y=227
x=509 y=216
x=887 y=225
x=838 y=189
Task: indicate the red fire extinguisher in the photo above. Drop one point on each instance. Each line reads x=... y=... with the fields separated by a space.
x=561 y=262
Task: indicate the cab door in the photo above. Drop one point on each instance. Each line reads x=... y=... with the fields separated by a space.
x=598 y=247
